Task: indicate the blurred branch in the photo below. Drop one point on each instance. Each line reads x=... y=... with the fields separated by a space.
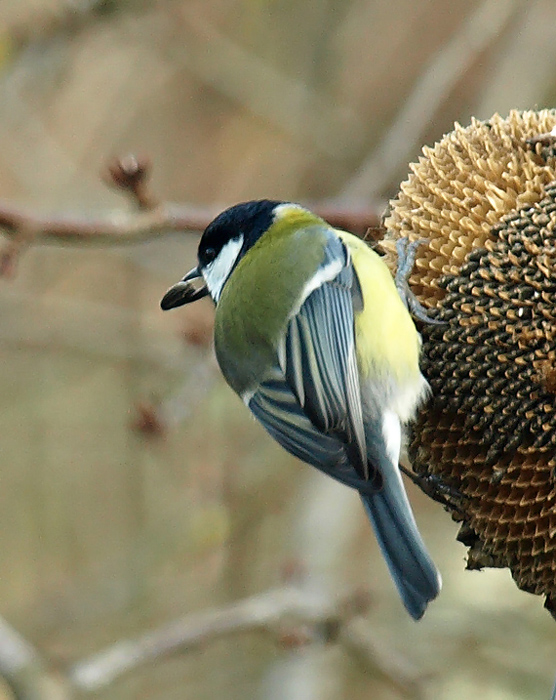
x=309 y=117
x=266 y=612
x=68 y=16
x=25 y=671
x=389 y=663
x=526 y=60
x=434 y=86
x=292 y=615
x=128 y=227
x=113 y=228
x=131 y=174
x=149 y=218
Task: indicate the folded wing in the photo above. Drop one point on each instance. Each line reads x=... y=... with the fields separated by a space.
x=311 y=402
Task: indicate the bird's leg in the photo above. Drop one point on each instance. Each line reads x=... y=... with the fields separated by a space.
x=435 y=488
x=406 y=258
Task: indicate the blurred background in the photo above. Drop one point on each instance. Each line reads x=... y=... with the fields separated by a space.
x=134 y=487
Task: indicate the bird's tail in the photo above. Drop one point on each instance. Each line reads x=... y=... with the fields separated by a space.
x=414 y=573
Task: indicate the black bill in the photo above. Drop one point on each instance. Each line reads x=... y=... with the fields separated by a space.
x=183 y=292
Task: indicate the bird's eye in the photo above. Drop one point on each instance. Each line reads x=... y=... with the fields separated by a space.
x=209 y=254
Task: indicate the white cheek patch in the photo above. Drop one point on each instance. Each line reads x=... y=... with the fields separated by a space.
x=218 y=271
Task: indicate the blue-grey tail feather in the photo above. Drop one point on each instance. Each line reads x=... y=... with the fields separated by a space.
x=414 y=573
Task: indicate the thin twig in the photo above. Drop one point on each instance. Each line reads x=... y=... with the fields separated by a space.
x=127 y=227
x=292 y=615
x=150 y=217
x=264 y=612
x=319 y=617
x=131 y=175
x=112 y=228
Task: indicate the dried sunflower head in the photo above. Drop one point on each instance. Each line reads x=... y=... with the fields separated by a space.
x=484 y=200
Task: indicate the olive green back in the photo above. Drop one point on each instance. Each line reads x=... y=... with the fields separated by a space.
x=261 y=295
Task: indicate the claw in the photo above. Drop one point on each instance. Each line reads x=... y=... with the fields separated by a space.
x=406 y=250
x=435 y=488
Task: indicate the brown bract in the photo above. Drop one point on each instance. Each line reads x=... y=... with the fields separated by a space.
x=484 y=198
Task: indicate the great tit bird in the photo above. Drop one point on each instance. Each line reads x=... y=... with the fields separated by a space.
x=312 y=333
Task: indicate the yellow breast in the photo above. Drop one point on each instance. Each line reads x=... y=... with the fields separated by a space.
x=387 y=340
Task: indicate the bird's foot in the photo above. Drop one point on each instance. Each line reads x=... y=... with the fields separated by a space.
x=406 y=250
x=438 y=490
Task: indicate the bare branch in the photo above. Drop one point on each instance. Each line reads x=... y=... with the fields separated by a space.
x=131 y=175
x=263 y=613
x=151 y=218
x=115 y=228
x=319 y=617
x=128 y=227
x=24 y=669
x=292 y=615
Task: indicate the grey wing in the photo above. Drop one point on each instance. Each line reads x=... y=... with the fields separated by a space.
x=278 y=410
x=312 y=404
